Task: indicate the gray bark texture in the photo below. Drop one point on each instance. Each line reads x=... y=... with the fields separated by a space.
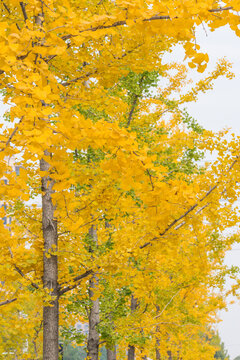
x=131 y=348
x=93 y=316
x=50 y=268
x=158 y=355
x=131 y=352
x=112 y=354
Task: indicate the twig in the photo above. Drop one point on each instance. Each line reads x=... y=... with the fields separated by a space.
x=26 y=228
x=220 y=9
x=150 y=177
x=7 y=301
x=43 y=3
x=66 y=83
x=12 y=135
x=21 y=273
x=77 y=280
x=174 y=222
x=25 y=277
x=6 y=7
x=170 y=301
x=23 y=11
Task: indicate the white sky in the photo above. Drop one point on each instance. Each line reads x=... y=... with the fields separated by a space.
x=215 y=110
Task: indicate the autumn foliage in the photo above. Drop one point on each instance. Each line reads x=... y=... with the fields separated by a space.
x=117 y=219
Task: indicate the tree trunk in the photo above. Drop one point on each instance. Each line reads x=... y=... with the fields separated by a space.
x=112 y=354
x=50 y=268
x=158 y=356
x=131 y=348
x=131 y=352
x=93 y=316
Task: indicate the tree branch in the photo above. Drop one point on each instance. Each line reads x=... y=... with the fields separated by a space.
x=7 y=8
x=69 y=82
x=11 y=136
x=7 y=301
x=134 y=104
x=23 y=10
x=152 y=18
x=169 y=302
x=174 y=222
x=87 y=75
x=25 y=277
x=21 y=273
x=220 y=9
x=77 y=280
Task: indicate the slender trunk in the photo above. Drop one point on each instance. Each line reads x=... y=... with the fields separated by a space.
x=112 y=354
x=158 y=356
x=93 y=316
x=131 y=352
x=35 y=350
x=143 y=357
x=50 y=268
x=131 y=348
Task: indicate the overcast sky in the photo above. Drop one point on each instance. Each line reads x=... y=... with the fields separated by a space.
x=215 y=110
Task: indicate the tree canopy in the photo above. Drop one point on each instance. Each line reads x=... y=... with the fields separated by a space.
x=129 y=236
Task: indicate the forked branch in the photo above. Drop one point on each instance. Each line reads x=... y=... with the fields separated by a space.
x=76 y=280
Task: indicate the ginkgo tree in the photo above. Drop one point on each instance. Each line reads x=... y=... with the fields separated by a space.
x=54 y=57
x=89 y=160
x=107 y=326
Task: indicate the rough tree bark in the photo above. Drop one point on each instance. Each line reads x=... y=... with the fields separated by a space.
x=131 y=348
x=112 y=354
x=50 y=236
x=50 y=267
x=93 y=315
x=158 y=356
x=131 y=352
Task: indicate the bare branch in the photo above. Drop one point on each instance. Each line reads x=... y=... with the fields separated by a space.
x=134 y=104
x=11 y=136
x=23 y=10
x=169 y=302
x=25 y=277
x=21 y=273
x=43 y=3
x=7 y=301
x=6 y=7
x=28 y=230
x=77 y=281
x=221 y=9
x=66 y=83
